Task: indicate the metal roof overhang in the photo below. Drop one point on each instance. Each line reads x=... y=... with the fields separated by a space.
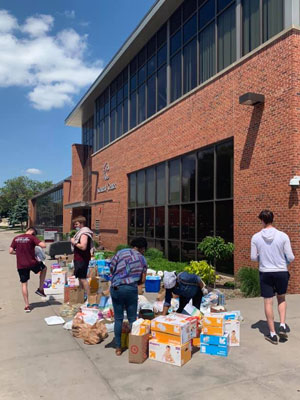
x=78 y=204
x=157 y=16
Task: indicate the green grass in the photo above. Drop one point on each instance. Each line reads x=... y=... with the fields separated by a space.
x=248 y=279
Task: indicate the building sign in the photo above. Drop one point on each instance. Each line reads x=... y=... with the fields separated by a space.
x=49 y=235
x=109 y=186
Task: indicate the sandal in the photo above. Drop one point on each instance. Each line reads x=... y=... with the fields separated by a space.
x=118 y=352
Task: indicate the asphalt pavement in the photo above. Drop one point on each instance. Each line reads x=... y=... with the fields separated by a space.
x=45 y=362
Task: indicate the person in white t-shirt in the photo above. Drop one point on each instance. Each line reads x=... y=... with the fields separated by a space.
x=272 y=249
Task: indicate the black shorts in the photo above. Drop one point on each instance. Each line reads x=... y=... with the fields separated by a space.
x=24 y=273
x=272 y=283
x=81 y=269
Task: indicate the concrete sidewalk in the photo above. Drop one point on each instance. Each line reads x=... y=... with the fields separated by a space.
x=41 y=362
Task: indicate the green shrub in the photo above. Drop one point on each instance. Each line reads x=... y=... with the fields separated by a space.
x=162 y=264
x=248 y=279
x=229 y=284
x=122 y=246
x=72 y=233
x=108 y=254
x=215 y=249
x=206 y=272
x=96 y=244
x=154 y=253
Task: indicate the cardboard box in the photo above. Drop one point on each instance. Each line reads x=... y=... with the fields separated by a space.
x=214 y=350
x=169 y=353
x=166 y=338
x=94 y=298
x=196 y=342
x=194 y=321
x=140 y=327
x=232 y=327
x=173 y=324
x=58 y=279
x=214 y=340
x=138 y=348
x=76 y=295
x=213 y=320
x=55 y=294
x=213 y=330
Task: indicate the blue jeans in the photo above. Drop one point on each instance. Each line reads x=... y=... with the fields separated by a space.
x=124 y=297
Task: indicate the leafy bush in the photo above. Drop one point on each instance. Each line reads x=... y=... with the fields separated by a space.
x=215 y=249
x=162 y=264
x=122 y=246
x=72 y=233
x=96 y=244
x=248 y=279
x=154 y=253
x=206 y=272
x=108 y=254
x=229 y=284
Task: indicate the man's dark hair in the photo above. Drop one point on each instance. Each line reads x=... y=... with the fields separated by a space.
x=266 y=216
x=32 y=228
x=139 y=243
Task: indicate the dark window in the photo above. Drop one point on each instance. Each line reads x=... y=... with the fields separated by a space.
x=251 y=25
x=131 y=222
x=174 y=222
x=188 y=178
x=101 y=135
x=133 y=66
x=224 y=219
x=207 y=53
x=175 y=21
x=142 y=57
x=112 y=125
x=174 y=251
x=190 y=66
x=106 y=130
x=160 y=184
x=113 y=101
x=120 y=95
x=140 y=222
x=141 y=188
x=189 y=29
x=189 y=6
x=151 y=47
x=125 y=116
x=151 y=96
x=125 y=91
x=205 y=217
x=206 y=13
x=187 y=252
x=222 y=4
x=272 y=18
x=132 y=190
x=162 y=56
x=188 y=222
x=160 y=222
x=150 y=186
x=161 y=88
x=175 y=42
x=149 y=223
x=226 y=38
x=133 y=83
x=162 y=36
x=142 y=103
x=224 y=170
x=206 y=174
x=151 y=66
x=133 y=110
x=142 y=74
x=119 y=120
x=176 y=77
x=174 y=181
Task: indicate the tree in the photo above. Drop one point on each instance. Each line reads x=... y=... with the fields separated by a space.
x=21 y=186
x=20 y=211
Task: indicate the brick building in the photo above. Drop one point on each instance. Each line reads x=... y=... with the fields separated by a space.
x=192 y=129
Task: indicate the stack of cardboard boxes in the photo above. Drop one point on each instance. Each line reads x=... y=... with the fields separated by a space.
x=171 y=338
x=219 y=332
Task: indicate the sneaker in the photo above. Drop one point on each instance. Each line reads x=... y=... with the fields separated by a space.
x=272 y=339
x=27 y=309
x=40 y=292
x=282 y=333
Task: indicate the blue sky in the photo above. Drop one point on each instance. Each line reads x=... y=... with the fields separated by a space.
x=50 y=53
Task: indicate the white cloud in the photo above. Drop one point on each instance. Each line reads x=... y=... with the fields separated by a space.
x=39 y=25
x=53 y=67
x=33 y=171
x=69 y=14
x=7 y=21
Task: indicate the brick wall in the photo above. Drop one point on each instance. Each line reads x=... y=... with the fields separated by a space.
x=266 y=147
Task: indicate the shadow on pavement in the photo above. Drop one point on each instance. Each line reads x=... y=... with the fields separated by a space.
x=40 y=304
x=262 y=326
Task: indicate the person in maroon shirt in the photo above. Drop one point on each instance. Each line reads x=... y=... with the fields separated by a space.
x=83 y=246
x=23 y=246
